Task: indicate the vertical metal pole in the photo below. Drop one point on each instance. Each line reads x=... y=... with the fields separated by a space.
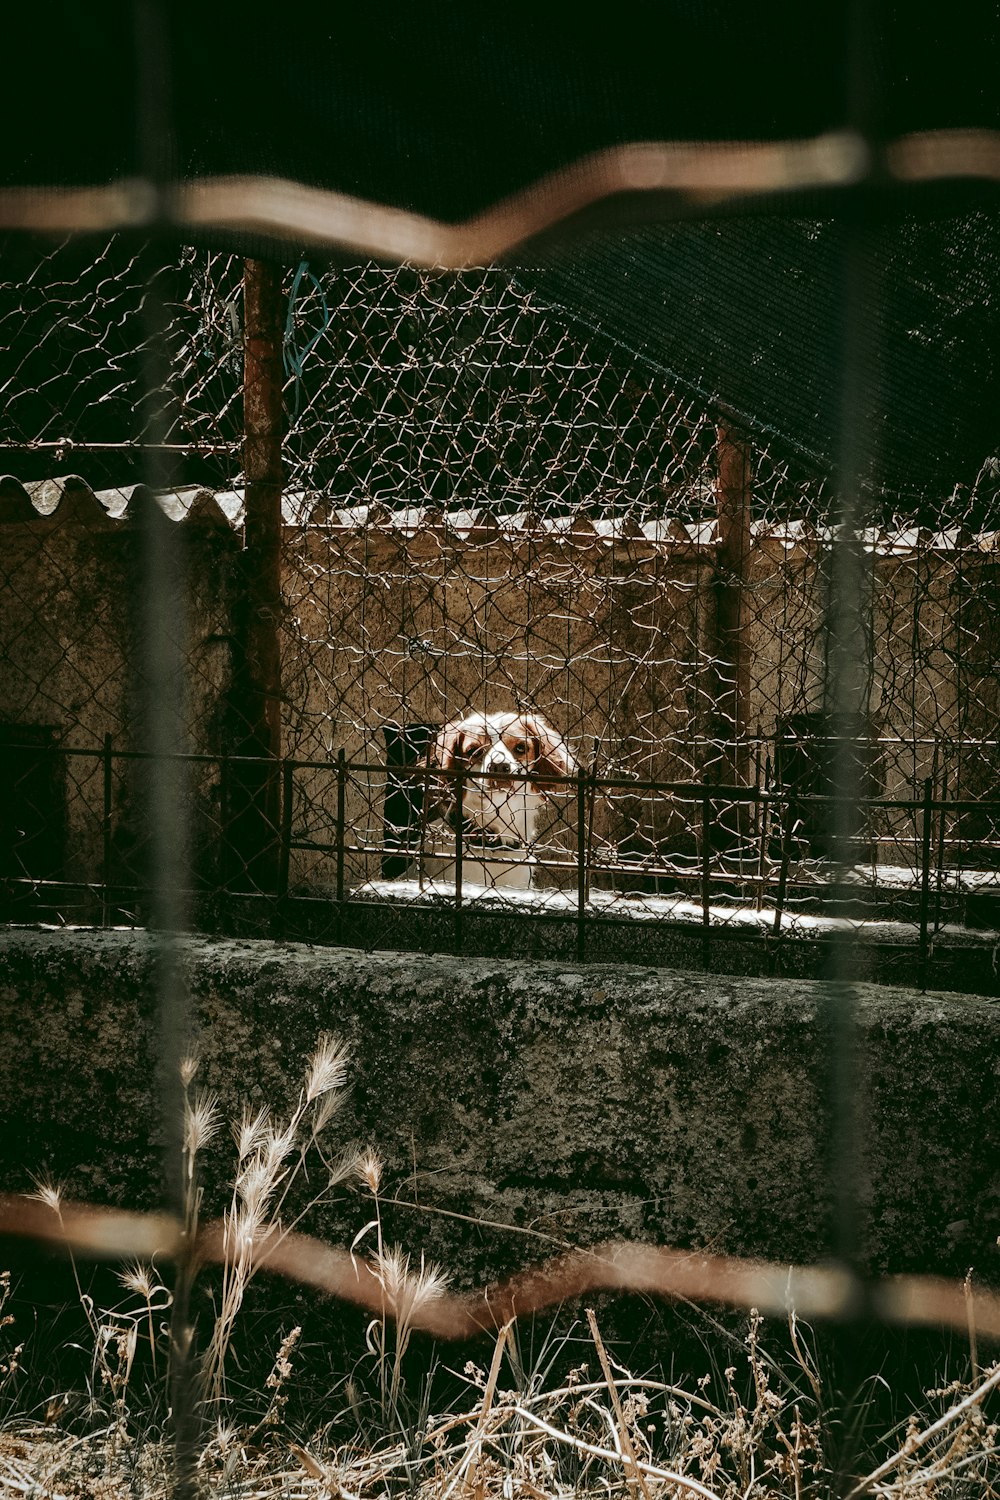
x=106 y=833
x=788 y=834
x=256 y=690
x=285 y=850
x=459 y=855
x=424 y=785
x=942 y=835
x=341 y=838
x=925 y=880
x=732 y=555
x=163 y=630
x=706 y=876
x=581 y=864
x=764 y=828
x=847 y=700
x=225 y=786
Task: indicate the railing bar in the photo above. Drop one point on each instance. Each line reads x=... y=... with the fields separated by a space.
x=736 y=930
x=421 y=852
x=706 y=878
x=108 y=793
x=761 y=876
x=70 y=445
x=284 y=850
x=225 y=861
x=925 y=876
x=790 y=823
x=819 y=879
x=341 y=840
x=939 y=862
x=689 y=791
x=812 y=900
x=581 y=864
x=459 y=856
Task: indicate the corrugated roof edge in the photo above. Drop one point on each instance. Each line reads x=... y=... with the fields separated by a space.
x=69 y=498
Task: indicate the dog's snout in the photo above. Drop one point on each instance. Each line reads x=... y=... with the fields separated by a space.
x=499 y=767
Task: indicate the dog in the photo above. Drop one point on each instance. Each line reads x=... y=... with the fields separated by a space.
x=498 y=812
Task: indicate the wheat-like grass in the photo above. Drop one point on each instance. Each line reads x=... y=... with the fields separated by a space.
x=405 y=1293
x=249 y=1132
x=327 y=1068
x=142 y=1280
x=270 y=1157
x=47 y=1192
x=188 y=1068
x=201 y=1122
x=369 y=1169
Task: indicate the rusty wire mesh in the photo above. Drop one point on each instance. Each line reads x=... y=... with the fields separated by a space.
x=487 y=507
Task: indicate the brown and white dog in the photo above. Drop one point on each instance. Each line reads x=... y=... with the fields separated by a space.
x=498 y=813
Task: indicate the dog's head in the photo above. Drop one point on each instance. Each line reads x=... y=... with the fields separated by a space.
x=500 y=745
x=509 y=742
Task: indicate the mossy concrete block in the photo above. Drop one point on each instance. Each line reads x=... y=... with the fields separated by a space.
x=572 y=1104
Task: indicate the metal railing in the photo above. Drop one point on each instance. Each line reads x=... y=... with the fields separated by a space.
x=745 y=867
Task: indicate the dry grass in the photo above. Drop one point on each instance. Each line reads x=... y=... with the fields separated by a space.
x=743 y=1433
x=748 y=1430
x=615 y=1436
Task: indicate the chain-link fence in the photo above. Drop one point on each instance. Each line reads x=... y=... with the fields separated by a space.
x=487 y=509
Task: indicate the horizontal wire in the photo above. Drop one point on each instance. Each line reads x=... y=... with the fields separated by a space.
x=823 y=1292
x=690 y=174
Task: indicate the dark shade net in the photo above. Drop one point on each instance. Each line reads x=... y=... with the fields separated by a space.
x=444 y=108
x=748 y=313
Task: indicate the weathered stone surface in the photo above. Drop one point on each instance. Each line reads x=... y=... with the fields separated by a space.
x=578 y=1103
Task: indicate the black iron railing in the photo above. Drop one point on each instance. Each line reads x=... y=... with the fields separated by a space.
x=739 y=861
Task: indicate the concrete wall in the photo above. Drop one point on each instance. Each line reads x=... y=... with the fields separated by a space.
x=582 y=1104
x=70 y=623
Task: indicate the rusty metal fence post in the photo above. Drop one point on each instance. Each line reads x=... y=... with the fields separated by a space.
x=733 y=491
x=255 y=699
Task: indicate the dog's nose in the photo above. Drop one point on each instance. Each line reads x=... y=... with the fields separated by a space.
x=498 y=766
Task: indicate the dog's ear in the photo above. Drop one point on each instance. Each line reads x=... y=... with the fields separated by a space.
x=444 y=751
x=453 y=749
x=448 y=751
x=551 y=755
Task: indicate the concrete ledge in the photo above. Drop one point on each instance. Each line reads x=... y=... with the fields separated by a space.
x=574 y=1102
x=651 y=931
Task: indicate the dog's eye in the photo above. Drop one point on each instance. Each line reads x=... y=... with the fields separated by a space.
x=520 y=747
